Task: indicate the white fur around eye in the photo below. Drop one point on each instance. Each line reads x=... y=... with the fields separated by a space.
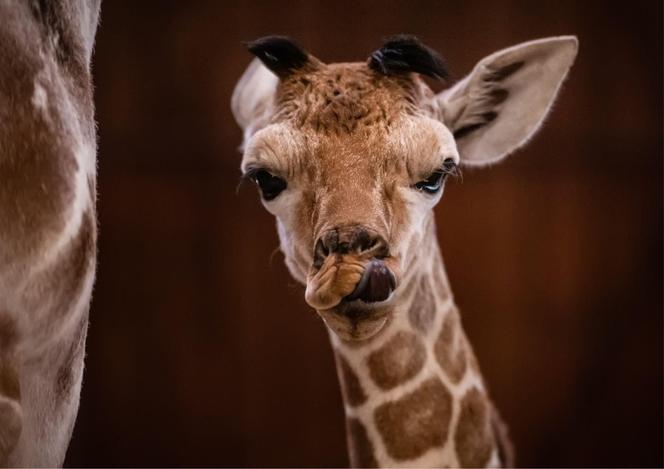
x=283 y=204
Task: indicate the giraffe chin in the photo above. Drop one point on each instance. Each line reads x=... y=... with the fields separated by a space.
x=355 y=320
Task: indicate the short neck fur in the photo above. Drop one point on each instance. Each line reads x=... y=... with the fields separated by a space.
x=413 y=394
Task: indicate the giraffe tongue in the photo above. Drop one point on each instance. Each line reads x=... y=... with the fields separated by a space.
x=376 y=284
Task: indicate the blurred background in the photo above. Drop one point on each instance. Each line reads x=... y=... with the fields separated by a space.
x=201 y=348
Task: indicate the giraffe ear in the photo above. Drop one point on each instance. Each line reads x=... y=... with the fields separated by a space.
x=500 y=105
x=253 y=97
x=277 y=58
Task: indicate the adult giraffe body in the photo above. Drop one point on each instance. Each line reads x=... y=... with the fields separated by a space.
x=47 y=222
x=351 y=159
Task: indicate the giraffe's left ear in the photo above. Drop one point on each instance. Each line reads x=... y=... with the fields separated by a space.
x=500 y=105
x=277 y=58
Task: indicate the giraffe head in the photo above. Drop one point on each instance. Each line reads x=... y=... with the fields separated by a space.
x=351 y=158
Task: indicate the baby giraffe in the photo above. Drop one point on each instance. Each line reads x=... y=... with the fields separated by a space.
x=351 y=158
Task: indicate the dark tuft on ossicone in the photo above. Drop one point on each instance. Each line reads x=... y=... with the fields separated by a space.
x=280 y=54
x=404 y=53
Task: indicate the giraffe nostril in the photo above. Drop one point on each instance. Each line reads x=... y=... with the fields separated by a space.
x=363 y=241
x=368 y=243
x=350 y=240
x=320 y=253
x=372 y=244
x=378 y=248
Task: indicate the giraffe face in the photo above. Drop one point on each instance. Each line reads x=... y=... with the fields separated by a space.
x=351 y=158
x=351 y=166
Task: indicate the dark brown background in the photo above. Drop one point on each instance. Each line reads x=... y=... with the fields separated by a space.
x=201 y=349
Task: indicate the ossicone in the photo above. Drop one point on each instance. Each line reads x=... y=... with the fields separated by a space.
x=280 y=54
x=404 y=53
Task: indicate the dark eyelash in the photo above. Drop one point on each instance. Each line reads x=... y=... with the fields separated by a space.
x=269 y=184
x=450 y=168
x=245 y=178
x=250 y=174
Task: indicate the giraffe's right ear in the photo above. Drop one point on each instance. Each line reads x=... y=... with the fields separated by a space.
x=253 y=97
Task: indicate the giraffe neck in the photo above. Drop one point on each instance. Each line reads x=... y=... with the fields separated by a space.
x=413 y=394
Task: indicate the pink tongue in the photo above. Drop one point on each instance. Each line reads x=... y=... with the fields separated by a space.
x=376 y=284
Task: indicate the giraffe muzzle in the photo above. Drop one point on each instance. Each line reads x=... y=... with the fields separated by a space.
x=352 y=272
x=352 y=239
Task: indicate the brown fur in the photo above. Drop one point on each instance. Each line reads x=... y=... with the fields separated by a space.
x=450 y=347
x=36 y=155
x=360 y=147
x=8 y=334
x=350 y=384
x=340 y=98
x=422 y=310
x=47 y=165
x=36 y=165
x=474 y=437
x=9 y=382
x=501 y=435
x=322 y=137
x=65 y=278
x=399 y=360
x=356 y=146
x=416 y=422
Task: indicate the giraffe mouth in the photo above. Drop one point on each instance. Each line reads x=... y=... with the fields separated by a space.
x=350 y=278
x=376 y=285
x=355 y=321
x=352 y=295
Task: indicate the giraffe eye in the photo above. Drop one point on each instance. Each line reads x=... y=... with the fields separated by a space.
x=435 y=181
x=270 y=186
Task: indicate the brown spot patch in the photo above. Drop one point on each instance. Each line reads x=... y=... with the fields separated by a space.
x=416 y=422
x=37 y=162
x=423 y=307
x=360 y=449
x=474 y=439
x=400 y=359
x=350 y=384
x=9 y=382
x=7 y=332
x=450 y=347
